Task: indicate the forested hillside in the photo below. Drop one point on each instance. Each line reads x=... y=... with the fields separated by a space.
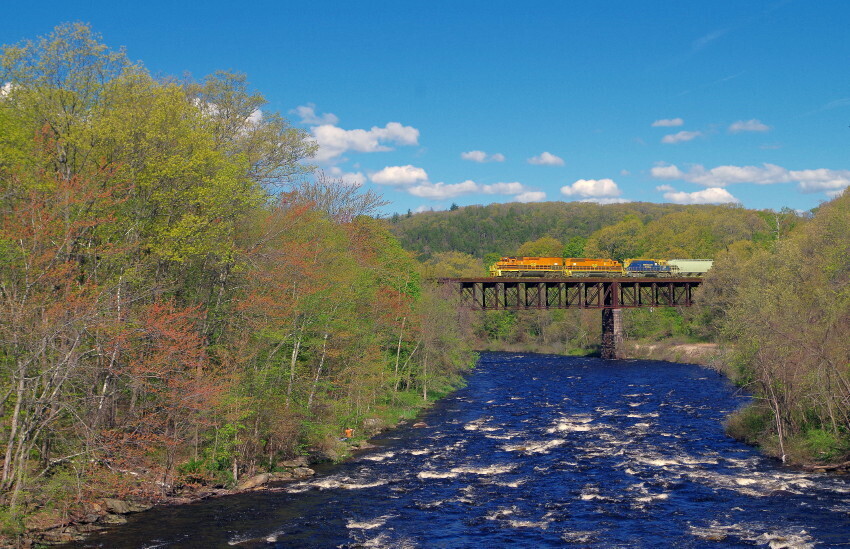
x=502 y=228
x=177 y=307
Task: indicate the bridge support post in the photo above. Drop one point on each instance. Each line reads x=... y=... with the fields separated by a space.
x=612 y=334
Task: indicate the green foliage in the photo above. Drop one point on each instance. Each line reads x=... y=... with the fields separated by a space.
x=750 y=424
x=545 y=246
x=168 y=310
x=498 y=324
x=575 y=247
x=619 y=241
x=502 y=228
x=785 y=307
x=453 y=265
x=825 y=445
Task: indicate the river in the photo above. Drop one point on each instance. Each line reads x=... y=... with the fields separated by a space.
x=537 y=451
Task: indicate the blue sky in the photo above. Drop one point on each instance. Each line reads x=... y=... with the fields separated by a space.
x=441 y=102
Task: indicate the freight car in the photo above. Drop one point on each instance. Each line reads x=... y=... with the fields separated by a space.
x=689 y=267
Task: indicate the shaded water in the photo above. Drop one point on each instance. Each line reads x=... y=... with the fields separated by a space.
x=537 y=451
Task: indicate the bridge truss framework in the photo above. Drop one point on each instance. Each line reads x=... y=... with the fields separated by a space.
x=609 y=294
x=580 y=293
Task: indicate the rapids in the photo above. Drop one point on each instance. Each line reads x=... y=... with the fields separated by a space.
x=537 y=451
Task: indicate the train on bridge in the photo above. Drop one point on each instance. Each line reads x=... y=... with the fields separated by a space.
x=596 y=267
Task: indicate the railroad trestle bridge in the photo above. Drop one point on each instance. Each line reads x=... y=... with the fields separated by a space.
x=608 y=294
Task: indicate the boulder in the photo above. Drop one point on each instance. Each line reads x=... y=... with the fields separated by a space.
x=113 y=519
x=253 y=482
x=121 y=507
x=60 y=535
x=303 y=472
x=280 y=476
x=300 y=461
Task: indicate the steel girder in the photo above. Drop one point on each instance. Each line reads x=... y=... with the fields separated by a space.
x=579 y=293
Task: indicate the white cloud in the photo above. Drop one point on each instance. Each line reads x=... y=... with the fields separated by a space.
x=355 y=179
x=713 y=195
x=481 y=156
x=334 y=141
x=748 y=126
x=668 y=123
x=531 y=196
x=592 y=188
x=546 y=159
x=606 y=200
x=664 y=188
x=424 y=208
x=5 y=89
x=514 y=187
x=399 y=175
x=666 y=172
x=680 y=137
x=808 y=181
x=475 y=156
x=811 y=181
x=441 y=191
x=833 y=194
x=255 y=117
x=308 y=115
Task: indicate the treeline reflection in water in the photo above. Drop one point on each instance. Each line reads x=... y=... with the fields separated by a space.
x=537 y=451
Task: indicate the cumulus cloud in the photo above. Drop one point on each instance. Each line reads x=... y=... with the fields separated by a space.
x=334 y=141
x=592 y=188
x=748 y=126
x=680 y=137
x=531 y=196
x=606 y=200
x=425 y=208
x=666 y=172
x=713 y=195
x=255 y=117
x=809 y=181
x=481 y=156
x=443 y=191
x=546 y=159
x=308 y=115
x=668 y=123
x=355 y=179
x=6 y=89
x=514 y=187
x=399 y=175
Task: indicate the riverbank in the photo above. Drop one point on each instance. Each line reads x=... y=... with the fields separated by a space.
x=751 y=424
x=87 y=518
x=710 y=355
x=84 y=519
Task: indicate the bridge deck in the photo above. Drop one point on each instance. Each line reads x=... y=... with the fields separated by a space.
x=581 y=293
